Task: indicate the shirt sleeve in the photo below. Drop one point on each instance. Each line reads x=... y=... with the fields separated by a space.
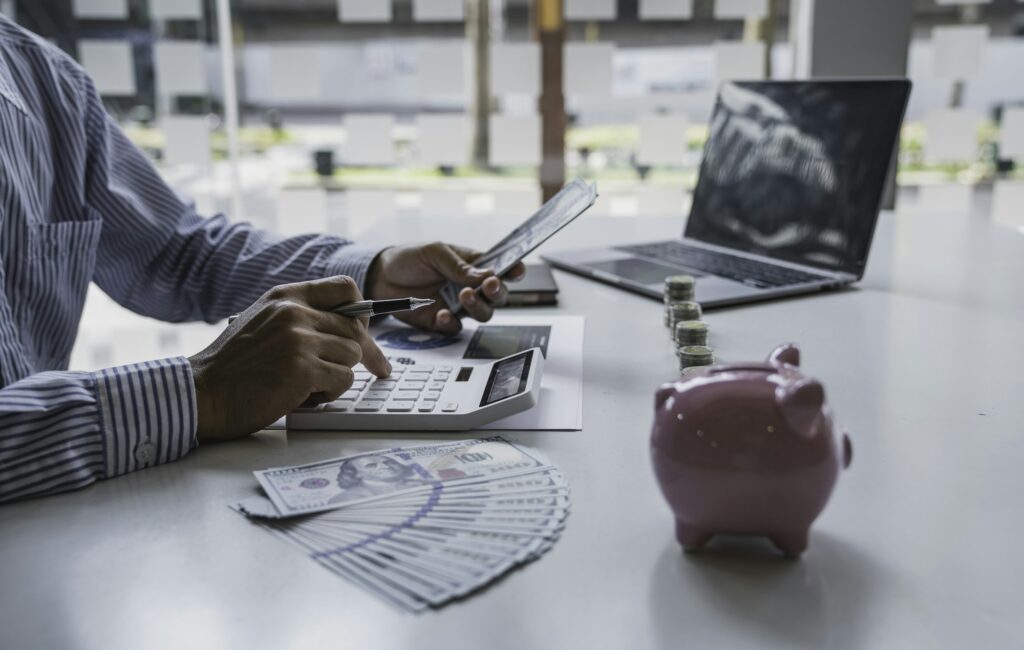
x=159 y=258
x=64 y=430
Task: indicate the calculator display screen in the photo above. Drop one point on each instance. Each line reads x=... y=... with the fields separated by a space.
x=507 y=378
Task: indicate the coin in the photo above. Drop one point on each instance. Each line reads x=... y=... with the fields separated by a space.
x=691 y=332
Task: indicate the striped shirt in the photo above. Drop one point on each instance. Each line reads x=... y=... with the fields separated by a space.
x=79 y=203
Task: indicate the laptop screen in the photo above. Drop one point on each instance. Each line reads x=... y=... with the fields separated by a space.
x=795 y=170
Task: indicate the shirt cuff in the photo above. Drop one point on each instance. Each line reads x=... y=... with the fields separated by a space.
x=354 y=261
x=148 y=413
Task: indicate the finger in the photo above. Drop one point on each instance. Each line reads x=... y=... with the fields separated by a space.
x=494 y=291
x=446 y=322
x=475 y=305
x=453 y=266
x=374 y=358
x=328 y=293
x=516 y=273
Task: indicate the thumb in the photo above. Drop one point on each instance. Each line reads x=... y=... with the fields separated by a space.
x=453 y=266
x=328 y=293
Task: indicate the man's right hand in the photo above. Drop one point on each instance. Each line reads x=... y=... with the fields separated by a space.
x=282 y=352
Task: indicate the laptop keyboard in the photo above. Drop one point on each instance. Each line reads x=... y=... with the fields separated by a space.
x=740 y=269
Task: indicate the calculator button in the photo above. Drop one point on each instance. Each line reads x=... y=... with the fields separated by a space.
x=405 y=394
x=446 y=368
x=433 y=396
x=436 y=385
x=350 y=394
x=383 y=384
x=400 y=407
x=369 y=406
x=361 y=375
x=339 y=405
x=423 y=367
x=425 y=407
x=450 y=407
x=412 y=385
x=442 y=376
x=417 y=376
x=357 y=385
x=376 y=394
x=397 y=370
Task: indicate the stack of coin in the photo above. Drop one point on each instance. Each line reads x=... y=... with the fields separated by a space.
x=681 y=311
x=678 y=288
x=694 y=355
x=691 y=332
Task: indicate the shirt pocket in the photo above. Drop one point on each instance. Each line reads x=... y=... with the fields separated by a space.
x=60 y=260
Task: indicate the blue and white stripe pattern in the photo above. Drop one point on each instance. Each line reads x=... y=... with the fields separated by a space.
x=80 y=203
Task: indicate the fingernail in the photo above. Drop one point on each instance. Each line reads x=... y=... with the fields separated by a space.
x=494 y=290
x=471 y=299
x=446 y=317
x=388 y=367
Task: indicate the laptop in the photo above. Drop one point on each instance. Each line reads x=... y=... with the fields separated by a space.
x=788 y=195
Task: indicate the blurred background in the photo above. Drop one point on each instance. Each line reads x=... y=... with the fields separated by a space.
x=332 y=115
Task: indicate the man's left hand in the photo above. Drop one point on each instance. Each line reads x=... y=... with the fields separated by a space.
x=421 y=271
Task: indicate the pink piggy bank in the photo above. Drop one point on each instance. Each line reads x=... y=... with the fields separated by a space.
x=747 y=449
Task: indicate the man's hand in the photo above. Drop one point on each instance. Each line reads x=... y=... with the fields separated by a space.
x=280 y=353
x=421 y=271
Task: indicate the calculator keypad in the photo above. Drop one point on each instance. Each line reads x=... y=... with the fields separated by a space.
x=409 y=388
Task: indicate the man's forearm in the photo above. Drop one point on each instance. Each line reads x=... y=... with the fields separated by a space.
x=64 y=430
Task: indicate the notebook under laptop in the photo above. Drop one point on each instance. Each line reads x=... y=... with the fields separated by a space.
x=787 y=199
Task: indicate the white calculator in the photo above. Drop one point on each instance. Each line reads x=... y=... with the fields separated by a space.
x=431 y=397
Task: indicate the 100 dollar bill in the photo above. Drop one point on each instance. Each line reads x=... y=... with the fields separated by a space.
x=361 y=478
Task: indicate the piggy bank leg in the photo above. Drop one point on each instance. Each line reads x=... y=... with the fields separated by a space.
x=791 y=542
x=691 y=538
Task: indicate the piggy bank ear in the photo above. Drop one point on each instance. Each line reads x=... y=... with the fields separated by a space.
x=666 y=391
x=800 y=405
x=785 y=354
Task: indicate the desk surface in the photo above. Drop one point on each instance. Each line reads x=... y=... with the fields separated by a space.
x=918 y=548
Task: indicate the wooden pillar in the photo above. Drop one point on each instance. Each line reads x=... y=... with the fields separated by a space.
x=551 y=32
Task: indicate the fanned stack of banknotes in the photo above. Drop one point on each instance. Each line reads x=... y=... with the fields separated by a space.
x=418 y=526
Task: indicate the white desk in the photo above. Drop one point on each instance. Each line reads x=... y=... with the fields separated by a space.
x=919 y=548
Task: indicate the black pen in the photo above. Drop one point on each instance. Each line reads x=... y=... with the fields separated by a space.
x=373 y=307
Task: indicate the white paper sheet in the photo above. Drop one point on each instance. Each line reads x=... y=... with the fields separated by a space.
x=368 y=139
x=1011 y=134
x=442 y=139
x=364 y=11
x=740 y=8
x=662 y=139
x=561 y=398
x=666 y=9
x=106 y=9
x=587 y=69
x=176 y=9
x=739 y=60
x=438 y=10
x=951 y=135
x=441 y=68
x=295 y=73
x=180 y=68
x=515 y=140
x=110 y=64
x=590 y=9
x=515 y=68
x=301 y=211
x=958 y=50
x=186 y=140
x=1008 y=203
